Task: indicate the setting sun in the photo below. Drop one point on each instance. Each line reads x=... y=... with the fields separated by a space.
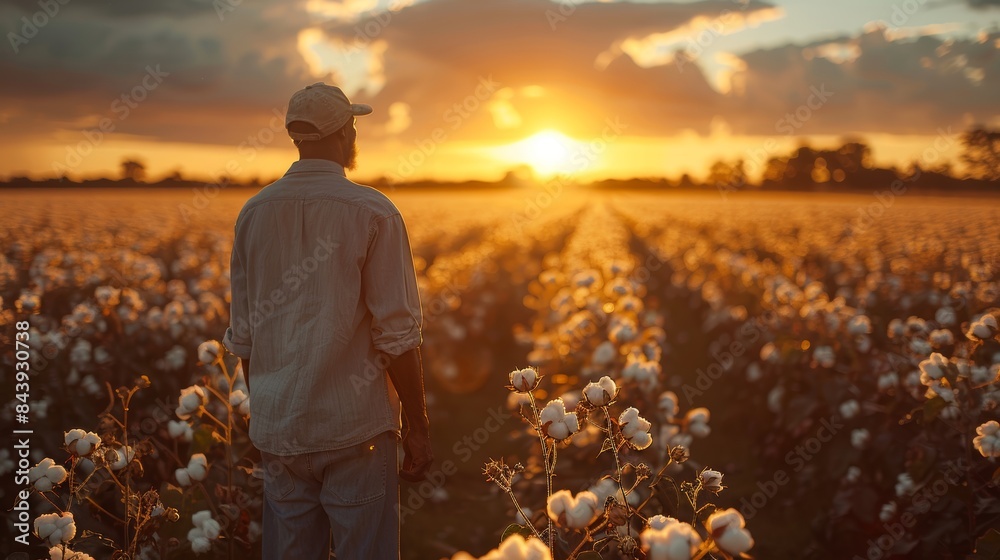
x=547 y=152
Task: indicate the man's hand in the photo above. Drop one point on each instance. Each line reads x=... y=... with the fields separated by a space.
x=418 y=456
x=407 y=374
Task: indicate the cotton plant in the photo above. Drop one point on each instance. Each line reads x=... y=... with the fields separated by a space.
x=99 y=462
x=217 y=408
x=612 y=516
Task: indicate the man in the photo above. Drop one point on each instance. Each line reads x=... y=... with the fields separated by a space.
x=324 y=302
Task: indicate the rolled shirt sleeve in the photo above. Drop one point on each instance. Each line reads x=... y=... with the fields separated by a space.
x=390 y=288
x=238 y=337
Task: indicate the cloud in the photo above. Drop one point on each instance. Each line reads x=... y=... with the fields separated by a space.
x=435 y=54
x=221 y=77
x=982 y=4
x=903 y=86
x=129 y=8
x=568 y=67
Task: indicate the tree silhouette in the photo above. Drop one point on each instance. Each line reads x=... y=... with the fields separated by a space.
x=133 y=170
x=982 y=153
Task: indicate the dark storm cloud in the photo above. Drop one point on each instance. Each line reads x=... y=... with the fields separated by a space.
x=128 y=8
x=901 y=86
x=77 y=66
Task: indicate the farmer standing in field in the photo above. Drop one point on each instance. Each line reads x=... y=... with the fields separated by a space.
x=324 y=302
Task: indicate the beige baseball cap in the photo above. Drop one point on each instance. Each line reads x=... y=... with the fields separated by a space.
x=324 y=106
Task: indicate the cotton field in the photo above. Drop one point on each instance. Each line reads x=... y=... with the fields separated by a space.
x=611 y=374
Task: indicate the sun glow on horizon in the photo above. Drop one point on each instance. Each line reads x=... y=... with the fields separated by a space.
x=547 y=152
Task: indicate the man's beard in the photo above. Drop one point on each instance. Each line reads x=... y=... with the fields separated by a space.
x=351 y=157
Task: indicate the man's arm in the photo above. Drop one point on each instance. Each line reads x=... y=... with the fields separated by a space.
x=406 y=373
x=390 y=291
x=238 y=337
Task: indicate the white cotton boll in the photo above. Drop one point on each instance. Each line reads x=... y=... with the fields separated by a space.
x=711 y=480
x=896 y=329
x=933 y=368
x=123 y=456
x=556 y=422
x=940 y=338
x=586 y=278
x=888 y=381
x=624 y=331
x=668 y=405
x=199 y=518
x=80 y=354
x=211 y=528
x=101 y=355
x=579 y=511
x=81 y=442
x=55 y=528
x=727 y=527
x=190 y=401
x=197 y=467
x=939 y=389
x=180 y=429
x=983 y=328
x=63 y=552
x=963 y=366
x=46 y=475
x=604 y=354
x=199 y=542
x=920 y=347
x=240 y=401
x=635 y=428
x=775 y=399
x=981 y=374
x=629 y=304
x=601 y=392
x=524 y=380
x=659 y=521
x=863 y=343
x=825 y=356
x=646 y=374
x=904 y=485
x=946 y=316
x=209 y=351
x=988 y=440
x=182 y=476
x=859 y=324
x=849 y=409
x=697 y=422
x=607 y=487
x=916 y=326
x=675 y=541
x=514 y=547
x=860 y=438
x=853 y=474
x=175 y=357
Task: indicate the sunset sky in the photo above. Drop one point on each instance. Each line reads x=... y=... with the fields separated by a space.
x=473 y=88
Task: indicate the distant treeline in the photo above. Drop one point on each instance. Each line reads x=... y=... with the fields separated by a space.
x=847 y=168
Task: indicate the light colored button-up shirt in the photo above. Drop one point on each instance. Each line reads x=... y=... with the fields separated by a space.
x=323 y=296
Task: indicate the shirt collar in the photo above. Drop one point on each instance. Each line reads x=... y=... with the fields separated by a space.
x=316 y=165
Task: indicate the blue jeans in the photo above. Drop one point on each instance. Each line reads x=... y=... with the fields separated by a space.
x=349 y=495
